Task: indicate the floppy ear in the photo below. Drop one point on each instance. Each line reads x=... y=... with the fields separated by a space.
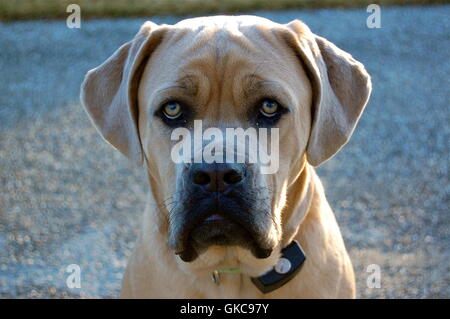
x=109 y=92
x=341 y=88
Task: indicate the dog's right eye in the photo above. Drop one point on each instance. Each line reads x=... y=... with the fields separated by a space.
x=172 y=110
x=173 y=114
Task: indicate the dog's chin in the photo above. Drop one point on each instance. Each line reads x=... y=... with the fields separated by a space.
x=217 y=230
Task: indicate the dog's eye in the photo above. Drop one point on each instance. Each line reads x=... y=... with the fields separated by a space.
x=269 y=108
x=269 y=112
x=172 y=110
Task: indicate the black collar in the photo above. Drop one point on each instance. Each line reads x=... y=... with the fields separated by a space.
x=289 y=264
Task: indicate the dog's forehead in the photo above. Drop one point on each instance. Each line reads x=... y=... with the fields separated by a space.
x=219 y=42
x=217 y=47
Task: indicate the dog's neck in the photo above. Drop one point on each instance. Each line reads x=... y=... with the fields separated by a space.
x=299 y=198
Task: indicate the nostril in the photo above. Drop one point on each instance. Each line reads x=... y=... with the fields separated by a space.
x=217 y=178
x=202 y=178
x=232 y=177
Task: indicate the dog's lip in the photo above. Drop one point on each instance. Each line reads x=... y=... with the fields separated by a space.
x=188 y=253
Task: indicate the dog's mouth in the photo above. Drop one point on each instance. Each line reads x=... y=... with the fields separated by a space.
x=220 y=229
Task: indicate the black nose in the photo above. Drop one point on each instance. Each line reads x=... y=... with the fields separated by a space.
x=217 y=177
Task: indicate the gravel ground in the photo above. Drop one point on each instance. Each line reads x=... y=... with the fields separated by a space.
x=67 y=198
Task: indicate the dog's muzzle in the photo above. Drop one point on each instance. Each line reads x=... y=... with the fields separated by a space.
x=220 y=206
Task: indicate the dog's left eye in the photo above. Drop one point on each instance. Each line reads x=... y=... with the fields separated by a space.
x=270 y=111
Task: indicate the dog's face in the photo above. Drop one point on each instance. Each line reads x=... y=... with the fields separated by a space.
x=225 y=81
x=230 y=73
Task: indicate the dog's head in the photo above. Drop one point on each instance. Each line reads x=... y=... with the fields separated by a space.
x=240 y=73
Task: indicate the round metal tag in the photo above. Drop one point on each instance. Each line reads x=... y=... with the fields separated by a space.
x=283 y=266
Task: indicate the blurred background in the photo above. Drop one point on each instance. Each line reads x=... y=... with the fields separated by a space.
x=66 y=197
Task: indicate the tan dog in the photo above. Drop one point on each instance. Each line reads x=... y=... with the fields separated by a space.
x=230 y=72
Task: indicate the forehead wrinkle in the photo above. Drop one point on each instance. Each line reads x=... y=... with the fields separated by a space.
x=256 y=84
x=213 y=41
x=188 y=83
x=178 y=86
x=271 y=89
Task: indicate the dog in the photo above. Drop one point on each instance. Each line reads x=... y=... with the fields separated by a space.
x=225 y=230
